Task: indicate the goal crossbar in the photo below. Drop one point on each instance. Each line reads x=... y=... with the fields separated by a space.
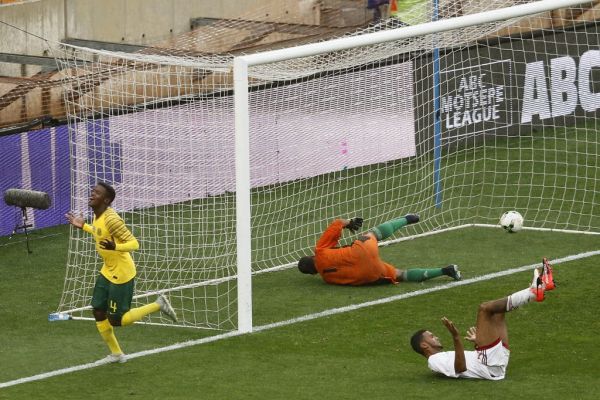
x=427 y=28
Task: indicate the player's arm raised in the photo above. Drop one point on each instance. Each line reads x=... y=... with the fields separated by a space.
x=460 y=363
x=79 y=222
x=332 y=234
x=76 y=221
x=472 y=335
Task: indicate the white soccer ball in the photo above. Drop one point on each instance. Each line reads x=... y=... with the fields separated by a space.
x=511 y=221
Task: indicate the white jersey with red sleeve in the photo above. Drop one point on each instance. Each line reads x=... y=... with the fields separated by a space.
x=488 y=362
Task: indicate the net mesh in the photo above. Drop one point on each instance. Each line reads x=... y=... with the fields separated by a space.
x=362 y=132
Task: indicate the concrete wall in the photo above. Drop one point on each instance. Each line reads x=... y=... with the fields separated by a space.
x=43 y=18
x=141 y=21
x=146 y=21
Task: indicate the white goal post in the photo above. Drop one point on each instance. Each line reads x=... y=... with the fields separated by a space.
x=227 y=166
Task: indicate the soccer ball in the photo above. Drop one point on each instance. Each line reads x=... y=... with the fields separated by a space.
x=511 y=221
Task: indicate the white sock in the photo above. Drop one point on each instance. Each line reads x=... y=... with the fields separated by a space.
x=519 y=298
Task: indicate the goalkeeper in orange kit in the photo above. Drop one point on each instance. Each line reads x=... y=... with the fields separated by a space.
x=359 y=263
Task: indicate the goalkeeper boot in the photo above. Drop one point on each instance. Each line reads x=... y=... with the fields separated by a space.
x=412 y=218
x=452 y=271
x=113 y=358
x=165 y=307
x=537 y=286
x=547 y=278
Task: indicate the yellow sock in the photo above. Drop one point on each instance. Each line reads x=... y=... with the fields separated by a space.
x=135 y=314
x=108 y=334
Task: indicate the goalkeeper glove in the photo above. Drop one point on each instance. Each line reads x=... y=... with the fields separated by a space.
x=354 y=224
x=412 y=218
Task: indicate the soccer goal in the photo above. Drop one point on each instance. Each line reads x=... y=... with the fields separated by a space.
x=492 y=106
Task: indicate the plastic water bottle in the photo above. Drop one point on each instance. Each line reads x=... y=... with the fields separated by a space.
x=57 y=316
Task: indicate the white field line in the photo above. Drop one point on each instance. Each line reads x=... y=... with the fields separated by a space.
x=308 y=317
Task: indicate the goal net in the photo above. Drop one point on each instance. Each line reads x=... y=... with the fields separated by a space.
x=457 y=125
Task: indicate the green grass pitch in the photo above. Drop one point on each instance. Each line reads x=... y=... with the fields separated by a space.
x=361 y=354
x=364 y=353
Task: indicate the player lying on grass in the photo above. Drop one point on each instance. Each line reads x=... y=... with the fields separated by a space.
x=359 y=263
x=490 y=336
x=113 y=291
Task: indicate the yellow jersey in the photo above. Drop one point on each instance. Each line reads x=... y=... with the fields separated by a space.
x=118 y=265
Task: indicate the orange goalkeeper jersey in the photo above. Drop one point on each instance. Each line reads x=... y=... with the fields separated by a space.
x=358 y=264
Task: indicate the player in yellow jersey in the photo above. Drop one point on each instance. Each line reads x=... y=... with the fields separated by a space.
x=113 y=292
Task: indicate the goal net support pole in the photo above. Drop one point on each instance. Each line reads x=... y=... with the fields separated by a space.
x=242 y=187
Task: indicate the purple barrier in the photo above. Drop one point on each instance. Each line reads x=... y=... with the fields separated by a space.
x=10 y=176
x=36 y=160
x=103 y=154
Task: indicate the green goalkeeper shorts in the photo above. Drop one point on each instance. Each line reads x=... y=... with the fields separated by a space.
x=113 y=298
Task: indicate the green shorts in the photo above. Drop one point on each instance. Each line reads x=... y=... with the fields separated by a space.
x=113 y=298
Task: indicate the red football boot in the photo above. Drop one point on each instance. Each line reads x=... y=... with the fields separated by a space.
x=547 y=278
x=537 y=286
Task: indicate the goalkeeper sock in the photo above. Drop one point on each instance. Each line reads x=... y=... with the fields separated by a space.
x=421 y=274
x=108 y=335
x=135 y=314
x=387 y=229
